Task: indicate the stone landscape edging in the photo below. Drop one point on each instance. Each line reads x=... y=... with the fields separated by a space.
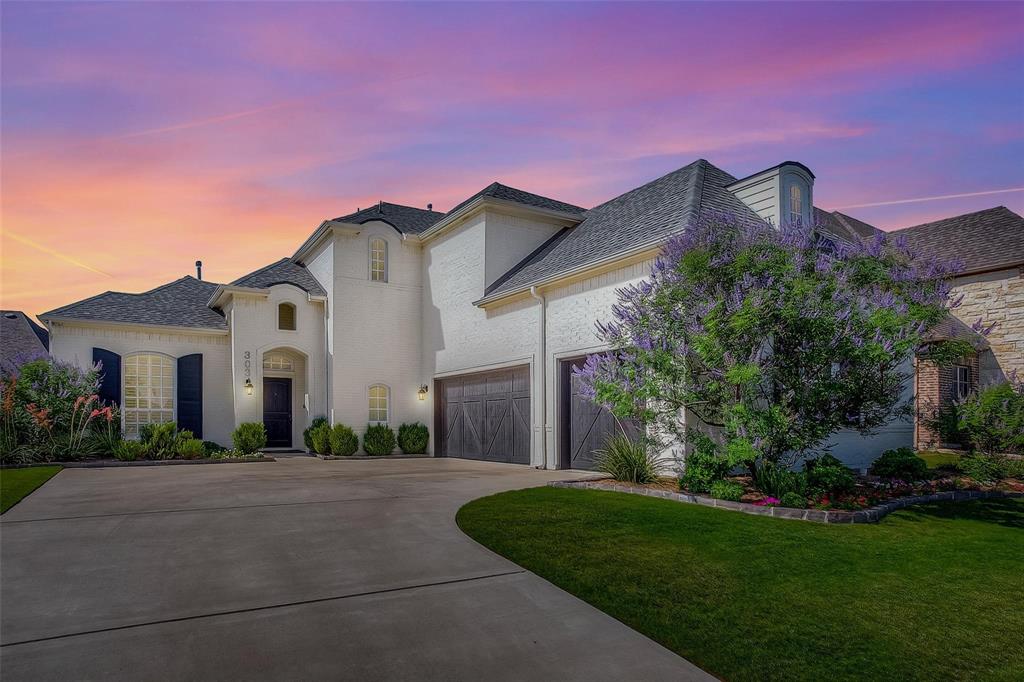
x=343 y=457
x=104 y=463
x=869 y=515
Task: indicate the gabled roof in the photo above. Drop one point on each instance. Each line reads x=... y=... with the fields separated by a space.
x=284 y=271
x=406 y=219
x=181 y=303
x=843 y=226
x=984 y=240
x=644 y=216
x=21 y=339
x=496 y=190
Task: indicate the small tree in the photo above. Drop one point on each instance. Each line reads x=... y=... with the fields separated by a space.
x=992 y=420
x=769 y=340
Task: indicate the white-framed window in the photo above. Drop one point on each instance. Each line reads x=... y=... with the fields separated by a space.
x=961 y=381
x=796 y=204
x=380 y=398
x=148 y=387
x=286 y=316
x=378 y=260
x=278 y=363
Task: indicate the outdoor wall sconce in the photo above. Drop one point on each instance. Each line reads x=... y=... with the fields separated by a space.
x=422 y=393
x=248 y=387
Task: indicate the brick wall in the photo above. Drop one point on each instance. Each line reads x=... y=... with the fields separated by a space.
x=935 y=388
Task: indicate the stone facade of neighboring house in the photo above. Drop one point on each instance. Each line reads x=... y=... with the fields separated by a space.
x=469 y=321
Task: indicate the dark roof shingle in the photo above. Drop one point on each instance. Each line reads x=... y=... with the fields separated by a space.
x=843 y=226
x=181 y=303
x=403 y=218
x=496 y=190
x=284 y=271
x=984 y=240
x=644 y=215
x=21 y=339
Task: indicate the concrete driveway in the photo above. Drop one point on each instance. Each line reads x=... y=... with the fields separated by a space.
x=298 y=569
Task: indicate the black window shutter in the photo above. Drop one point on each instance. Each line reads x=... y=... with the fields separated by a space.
x=190 y=393
x=110 y=375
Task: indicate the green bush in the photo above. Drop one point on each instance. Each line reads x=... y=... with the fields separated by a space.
x=129 y=451
x=900 y=464
x=161 y=440
x=827 y=474
x=307 y=434
x=249 y=438
x=793 y=500
x=379 y=439
x=776 y=480
x=343 y=440
x=625 y=459
x=320 y=439
x=212 y=448
x=146 y=432
x=726 y=490
x=412 y=438
x=992 y=420
x=983 y=468
x=1014 y=468
x=702 y=466
x=191 y=448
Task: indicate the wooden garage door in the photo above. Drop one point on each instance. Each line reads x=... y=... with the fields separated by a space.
x=485 y=416
x=584 y=426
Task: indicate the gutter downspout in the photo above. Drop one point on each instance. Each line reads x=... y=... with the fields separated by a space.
x=541 y=369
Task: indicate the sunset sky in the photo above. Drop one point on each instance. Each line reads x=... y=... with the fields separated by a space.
x=137 y=138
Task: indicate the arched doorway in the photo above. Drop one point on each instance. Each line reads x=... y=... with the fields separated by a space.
x=284 y=396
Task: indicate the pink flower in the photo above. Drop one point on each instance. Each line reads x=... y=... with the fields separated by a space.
x=94 y=413
x=79 y=400
x=767 y=502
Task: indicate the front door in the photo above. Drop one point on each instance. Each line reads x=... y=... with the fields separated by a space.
x=277 y=412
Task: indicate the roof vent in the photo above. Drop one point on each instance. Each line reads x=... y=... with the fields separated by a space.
x=199 y=270
x=380 y=206
x=11 y=316
x=430 y=207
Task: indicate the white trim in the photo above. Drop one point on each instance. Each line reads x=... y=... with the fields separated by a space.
x=295 y=316
x=479 y=203
x=371 y=240
x=174 y=387
x=387 y=404
x=165 y=328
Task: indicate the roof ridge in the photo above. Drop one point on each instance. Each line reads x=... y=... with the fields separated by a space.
x=259 y=270
x=646 y=184
x=955 y=217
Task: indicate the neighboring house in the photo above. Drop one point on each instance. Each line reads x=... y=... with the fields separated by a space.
x=21 y=339
x=469 y=321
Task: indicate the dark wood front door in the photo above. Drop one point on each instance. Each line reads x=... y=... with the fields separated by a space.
x=277 y=412
x=485 y=416
x=584 y=426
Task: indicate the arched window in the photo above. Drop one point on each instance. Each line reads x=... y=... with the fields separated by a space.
x=379 y=399
x=378 y=260
x=277 y=362
x=148 y=391
x=796 y=204
x=286 y=316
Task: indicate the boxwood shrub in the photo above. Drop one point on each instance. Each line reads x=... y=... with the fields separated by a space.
x=900 y=464
x=412 y=438
x=343 y=440
x=379 y=439
x=320 y=439
x=307 y=434
x=249 y=438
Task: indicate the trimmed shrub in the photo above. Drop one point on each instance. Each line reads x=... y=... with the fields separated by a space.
x=727 y=490
x=212 y=448
x=343 y=440
x=379 y=439
x=702 y=466
x=320 y=438
x=900 y=464
x=793 y=500
x=776 y=480
x=828 y=475
x=249 y=438
x=413 y=438
x=129 y=451
x=191 y=448
x=625 y=459
x=307 y=434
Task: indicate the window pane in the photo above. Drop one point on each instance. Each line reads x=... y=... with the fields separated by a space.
x=286 y=316
x=148 y=390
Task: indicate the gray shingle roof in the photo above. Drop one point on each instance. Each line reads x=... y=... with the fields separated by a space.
x=984 y=240
x=21 y=339
x=843 y=226
x=403 y=218
x=496 y=190
x=644 y=215
x=284 y=271
x=181 y=303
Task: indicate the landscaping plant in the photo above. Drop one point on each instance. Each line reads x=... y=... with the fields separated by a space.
x=307 y=433
x=793 y=500
x=190 y=448
x=827 y=475
x=343 y=440
x=727 y=490
x=769 y=337
x=413 y=438
x=320 y=439
x=901 y=464
x=129 y=451
x=703 y=466
x=379 y=439
x=629 y=460
x=161 y=440
x=212 y=448
x=249 y=438
x=776 y=480
x=992 y=420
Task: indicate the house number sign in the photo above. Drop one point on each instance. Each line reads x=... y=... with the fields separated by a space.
x=247 y=364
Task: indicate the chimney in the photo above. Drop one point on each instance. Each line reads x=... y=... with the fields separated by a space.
x=199 y=269
x=380 y=206
x=430 y=207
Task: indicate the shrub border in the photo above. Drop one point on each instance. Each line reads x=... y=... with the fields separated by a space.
x=869 y=515
x=400 y=456
x=106 y=463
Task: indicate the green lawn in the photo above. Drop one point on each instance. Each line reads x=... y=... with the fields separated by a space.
x=16 y=484
x=931 y=592
x=939 y=459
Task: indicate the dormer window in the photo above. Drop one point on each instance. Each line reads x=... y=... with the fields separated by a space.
x=796 y=205
x=286 y=316
x=378 y=260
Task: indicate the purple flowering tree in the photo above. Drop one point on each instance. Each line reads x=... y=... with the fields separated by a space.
x=768 y=340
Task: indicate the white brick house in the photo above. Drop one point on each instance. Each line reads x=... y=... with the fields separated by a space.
x=468 y=321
